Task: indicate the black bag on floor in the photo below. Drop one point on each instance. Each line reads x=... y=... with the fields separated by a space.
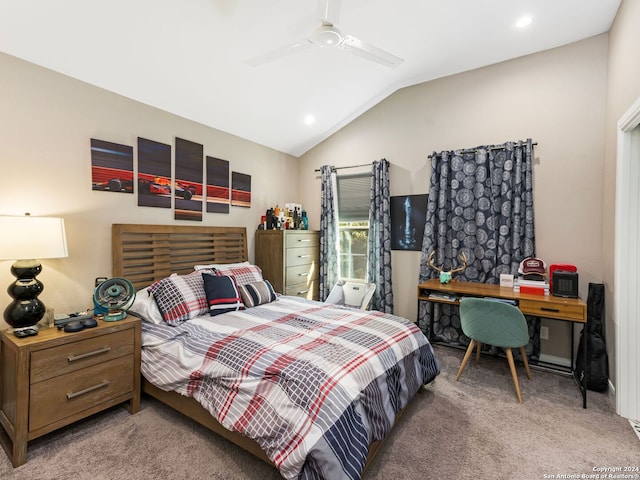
x=597 y=369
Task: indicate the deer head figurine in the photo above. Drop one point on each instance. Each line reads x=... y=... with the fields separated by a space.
x=445 y=277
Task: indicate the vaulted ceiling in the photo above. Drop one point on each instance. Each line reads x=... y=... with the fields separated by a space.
x=247 y=67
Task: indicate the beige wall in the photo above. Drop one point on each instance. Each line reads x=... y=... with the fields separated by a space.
x=555 y=97
x=622 y=91
x=46 y=122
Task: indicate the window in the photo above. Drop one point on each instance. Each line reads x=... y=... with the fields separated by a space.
x=352 y=253
x=353 y=225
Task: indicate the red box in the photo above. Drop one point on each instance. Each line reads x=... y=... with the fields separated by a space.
x=532 y=290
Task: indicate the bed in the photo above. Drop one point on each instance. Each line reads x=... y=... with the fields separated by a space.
x=312 y=388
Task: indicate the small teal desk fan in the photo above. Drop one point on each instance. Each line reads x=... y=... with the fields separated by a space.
x=112 y=298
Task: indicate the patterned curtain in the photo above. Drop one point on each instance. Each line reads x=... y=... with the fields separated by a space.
x=379 y=247
x=328 y=232
x=480 y=204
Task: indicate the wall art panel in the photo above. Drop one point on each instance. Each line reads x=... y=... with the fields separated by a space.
x=217 y=185
x=154 y=174
x=241 y=189
x=408 y=216
x=111 y=167
x=188 y=180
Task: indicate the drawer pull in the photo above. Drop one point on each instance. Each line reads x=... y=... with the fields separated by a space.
x=301 y=240
x=302 y=292
x=87 y=390
x=304 y=256
x=303 y=274
x=74 y=358
x=547 y=309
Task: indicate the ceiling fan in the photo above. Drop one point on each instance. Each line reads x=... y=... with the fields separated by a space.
x=329 y=35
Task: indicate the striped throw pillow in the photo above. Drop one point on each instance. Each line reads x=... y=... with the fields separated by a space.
x=257 y=293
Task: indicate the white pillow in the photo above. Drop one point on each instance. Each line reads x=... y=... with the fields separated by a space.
x=221 y=265
x=145 y=307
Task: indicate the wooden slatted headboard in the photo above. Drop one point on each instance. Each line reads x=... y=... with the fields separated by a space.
x=144 y=254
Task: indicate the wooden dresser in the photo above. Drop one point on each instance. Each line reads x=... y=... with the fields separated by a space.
x=55 y=378
x=290 y=260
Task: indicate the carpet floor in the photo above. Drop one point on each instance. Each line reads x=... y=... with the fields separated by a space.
x=470 y=429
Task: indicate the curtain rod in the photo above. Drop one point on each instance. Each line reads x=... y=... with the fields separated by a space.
x=352 y=166
x=471 y=150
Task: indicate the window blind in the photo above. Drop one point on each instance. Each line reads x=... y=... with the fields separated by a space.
x=353 y=197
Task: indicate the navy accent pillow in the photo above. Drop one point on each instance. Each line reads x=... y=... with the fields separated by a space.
x=222 y=294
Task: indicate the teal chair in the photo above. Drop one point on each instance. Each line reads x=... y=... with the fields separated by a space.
x=494 y=323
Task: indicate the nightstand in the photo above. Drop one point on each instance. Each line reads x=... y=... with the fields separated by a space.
x=55 y=378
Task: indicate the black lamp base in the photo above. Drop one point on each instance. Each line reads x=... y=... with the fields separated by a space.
x=26 y=310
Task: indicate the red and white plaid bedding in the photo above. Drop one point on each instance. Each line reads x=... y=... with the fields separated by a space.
x=314 y=384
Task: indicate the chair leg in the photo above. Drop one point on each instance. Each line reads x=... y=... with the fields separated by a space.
x=512 y=367
x=466 y=358
x=478 y=351
x=525 y=361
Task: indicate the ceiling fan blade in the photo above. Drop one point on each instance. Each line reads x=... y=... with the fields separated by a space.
x=365 y=50
x=329 y=11
x=279 y=53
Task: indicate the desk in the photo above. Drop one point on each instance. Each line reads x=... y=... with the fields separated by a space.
x=557 y=308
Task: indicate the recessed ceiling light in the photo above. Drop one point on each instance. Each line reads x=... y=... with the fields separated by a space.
x=524 y=21
x=309 y=120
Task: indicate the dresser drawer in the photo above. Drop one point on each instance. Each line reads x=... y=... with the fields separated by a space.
x=552 y=310
x=60 y=397
x=302 y=256
x=308 y=290
x=63 y=359
x=300 y=274
x=294 y=240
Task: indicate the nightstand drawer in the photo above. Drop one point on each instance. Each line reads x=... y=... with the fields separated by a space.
x=552 y=309
x=302 y=256
x=63 y=359
x=63 y=396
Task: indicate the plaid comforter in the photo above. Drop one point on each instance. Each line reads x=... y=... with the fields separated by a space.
x=314 y=384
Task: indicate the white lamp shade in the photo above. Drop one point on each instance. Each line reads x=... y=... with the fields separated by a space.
x=30 y=237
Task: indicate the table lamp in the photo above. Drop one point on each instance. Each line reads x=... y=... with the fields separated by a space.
x=25 y=239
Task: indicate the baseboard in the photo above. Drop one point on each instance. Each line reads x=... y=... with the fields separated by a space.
x=611 y=394
x=635 y=425
x=565 y=362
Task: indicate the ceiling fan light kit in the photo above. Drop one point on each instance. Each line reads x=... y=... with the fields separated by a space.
x=326 y=36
